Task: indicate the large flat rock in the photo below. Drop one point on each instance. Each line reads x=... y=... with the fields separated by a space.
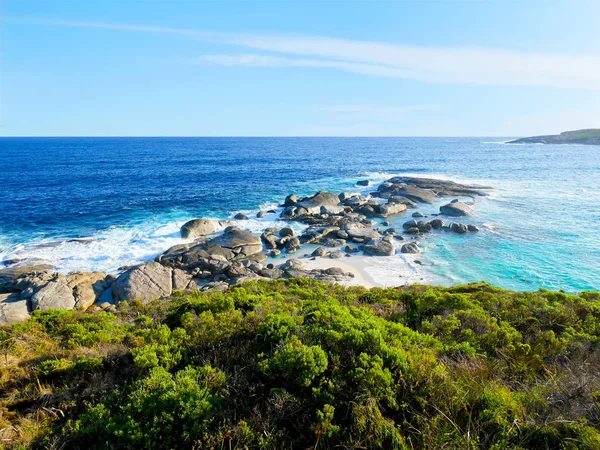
x=149 y=282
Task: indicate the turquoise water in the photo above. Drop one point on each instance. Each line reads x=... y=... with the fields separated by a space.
x=127 y=197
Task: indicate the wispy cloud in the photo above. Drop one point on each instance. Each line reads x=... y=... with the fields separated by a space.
x=470 y=65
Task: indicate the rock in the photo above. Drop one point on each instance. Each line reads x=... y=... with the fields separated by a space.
x=342 y=234
x=13 y=309
x=391 y=209
x=240 y=216
x=461 y=228
x=366 y=210
x=412 y=230
x=290 y=200
x=332 y=210
x=270 y=240
x=319 y=252
x=148 y=282
x=456 y=209
x=363 y=183
x=274 y=253
x=292 y=245
x=424 y=227
x=87 y=288
x=378 y=248
x=353 y=201
x=403 y=200
x=385 y=223
x=287 y=231
x=417 y=194
x=350 y=249
x=236 y=239
x=472 y=228
x=410 y=224
x=294 y=212
x=390 y=231
x=411 y=247
x=260 y=214
x=357 y=230
x=334 y=242
x=315 y=235
x=199 y=227
x=336 y=255
x=436 y=224
x=321 y=198
x=57 y=294
x=444 y=188
x=418 y=214
x=292 y=264
x=271 y=273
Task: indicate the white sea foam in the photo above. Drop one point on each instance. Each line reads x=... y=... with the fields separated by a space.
x=105 y=251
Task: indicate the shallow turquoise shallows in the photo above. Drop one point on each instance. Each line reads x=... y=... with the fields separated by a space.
x=123 y=199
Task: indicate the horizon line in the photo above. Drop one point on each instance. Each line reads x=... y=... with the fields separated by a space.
x=254 y=136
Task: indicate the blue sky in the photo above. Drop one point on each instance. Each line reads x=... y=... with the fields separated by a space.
x=284 y=68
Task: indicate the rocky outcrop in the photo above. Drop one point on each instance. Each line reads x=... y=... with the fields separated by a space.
x=233 y=244
x=417 y=188
x=456 y=208
x=585 y=137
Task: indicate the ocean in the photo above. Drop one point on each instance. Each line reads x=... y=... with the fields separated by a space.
x=103 y=203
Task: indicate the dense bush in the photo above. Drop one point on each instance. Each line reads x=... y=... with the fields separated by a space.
x=302 y=364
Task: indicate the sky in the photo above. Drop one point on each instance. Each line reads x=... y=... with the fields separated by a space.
x=502 y=68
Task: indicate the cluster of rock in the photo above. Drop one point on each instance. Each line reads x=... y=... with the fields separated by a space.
x=222 y=254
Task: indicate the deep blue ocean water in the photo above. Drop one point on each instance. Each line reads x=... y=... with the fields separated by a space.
x=127 y=197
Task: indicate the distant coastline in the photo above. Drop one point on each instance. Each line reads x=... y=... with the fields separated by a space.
x=586 y=137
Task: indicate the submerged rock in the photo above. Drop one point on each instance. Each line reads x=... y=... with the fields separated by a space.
x=436 y=224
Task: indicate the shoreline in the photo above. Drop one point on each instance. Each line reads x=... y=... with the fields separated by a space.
x=351 y=238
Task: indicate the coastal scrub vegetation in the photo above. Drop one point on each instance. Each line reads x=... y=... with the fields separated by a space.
x=304 y=364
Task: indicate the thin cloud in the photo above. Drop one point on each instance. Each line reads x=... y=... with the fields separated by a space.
x=472 y=65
